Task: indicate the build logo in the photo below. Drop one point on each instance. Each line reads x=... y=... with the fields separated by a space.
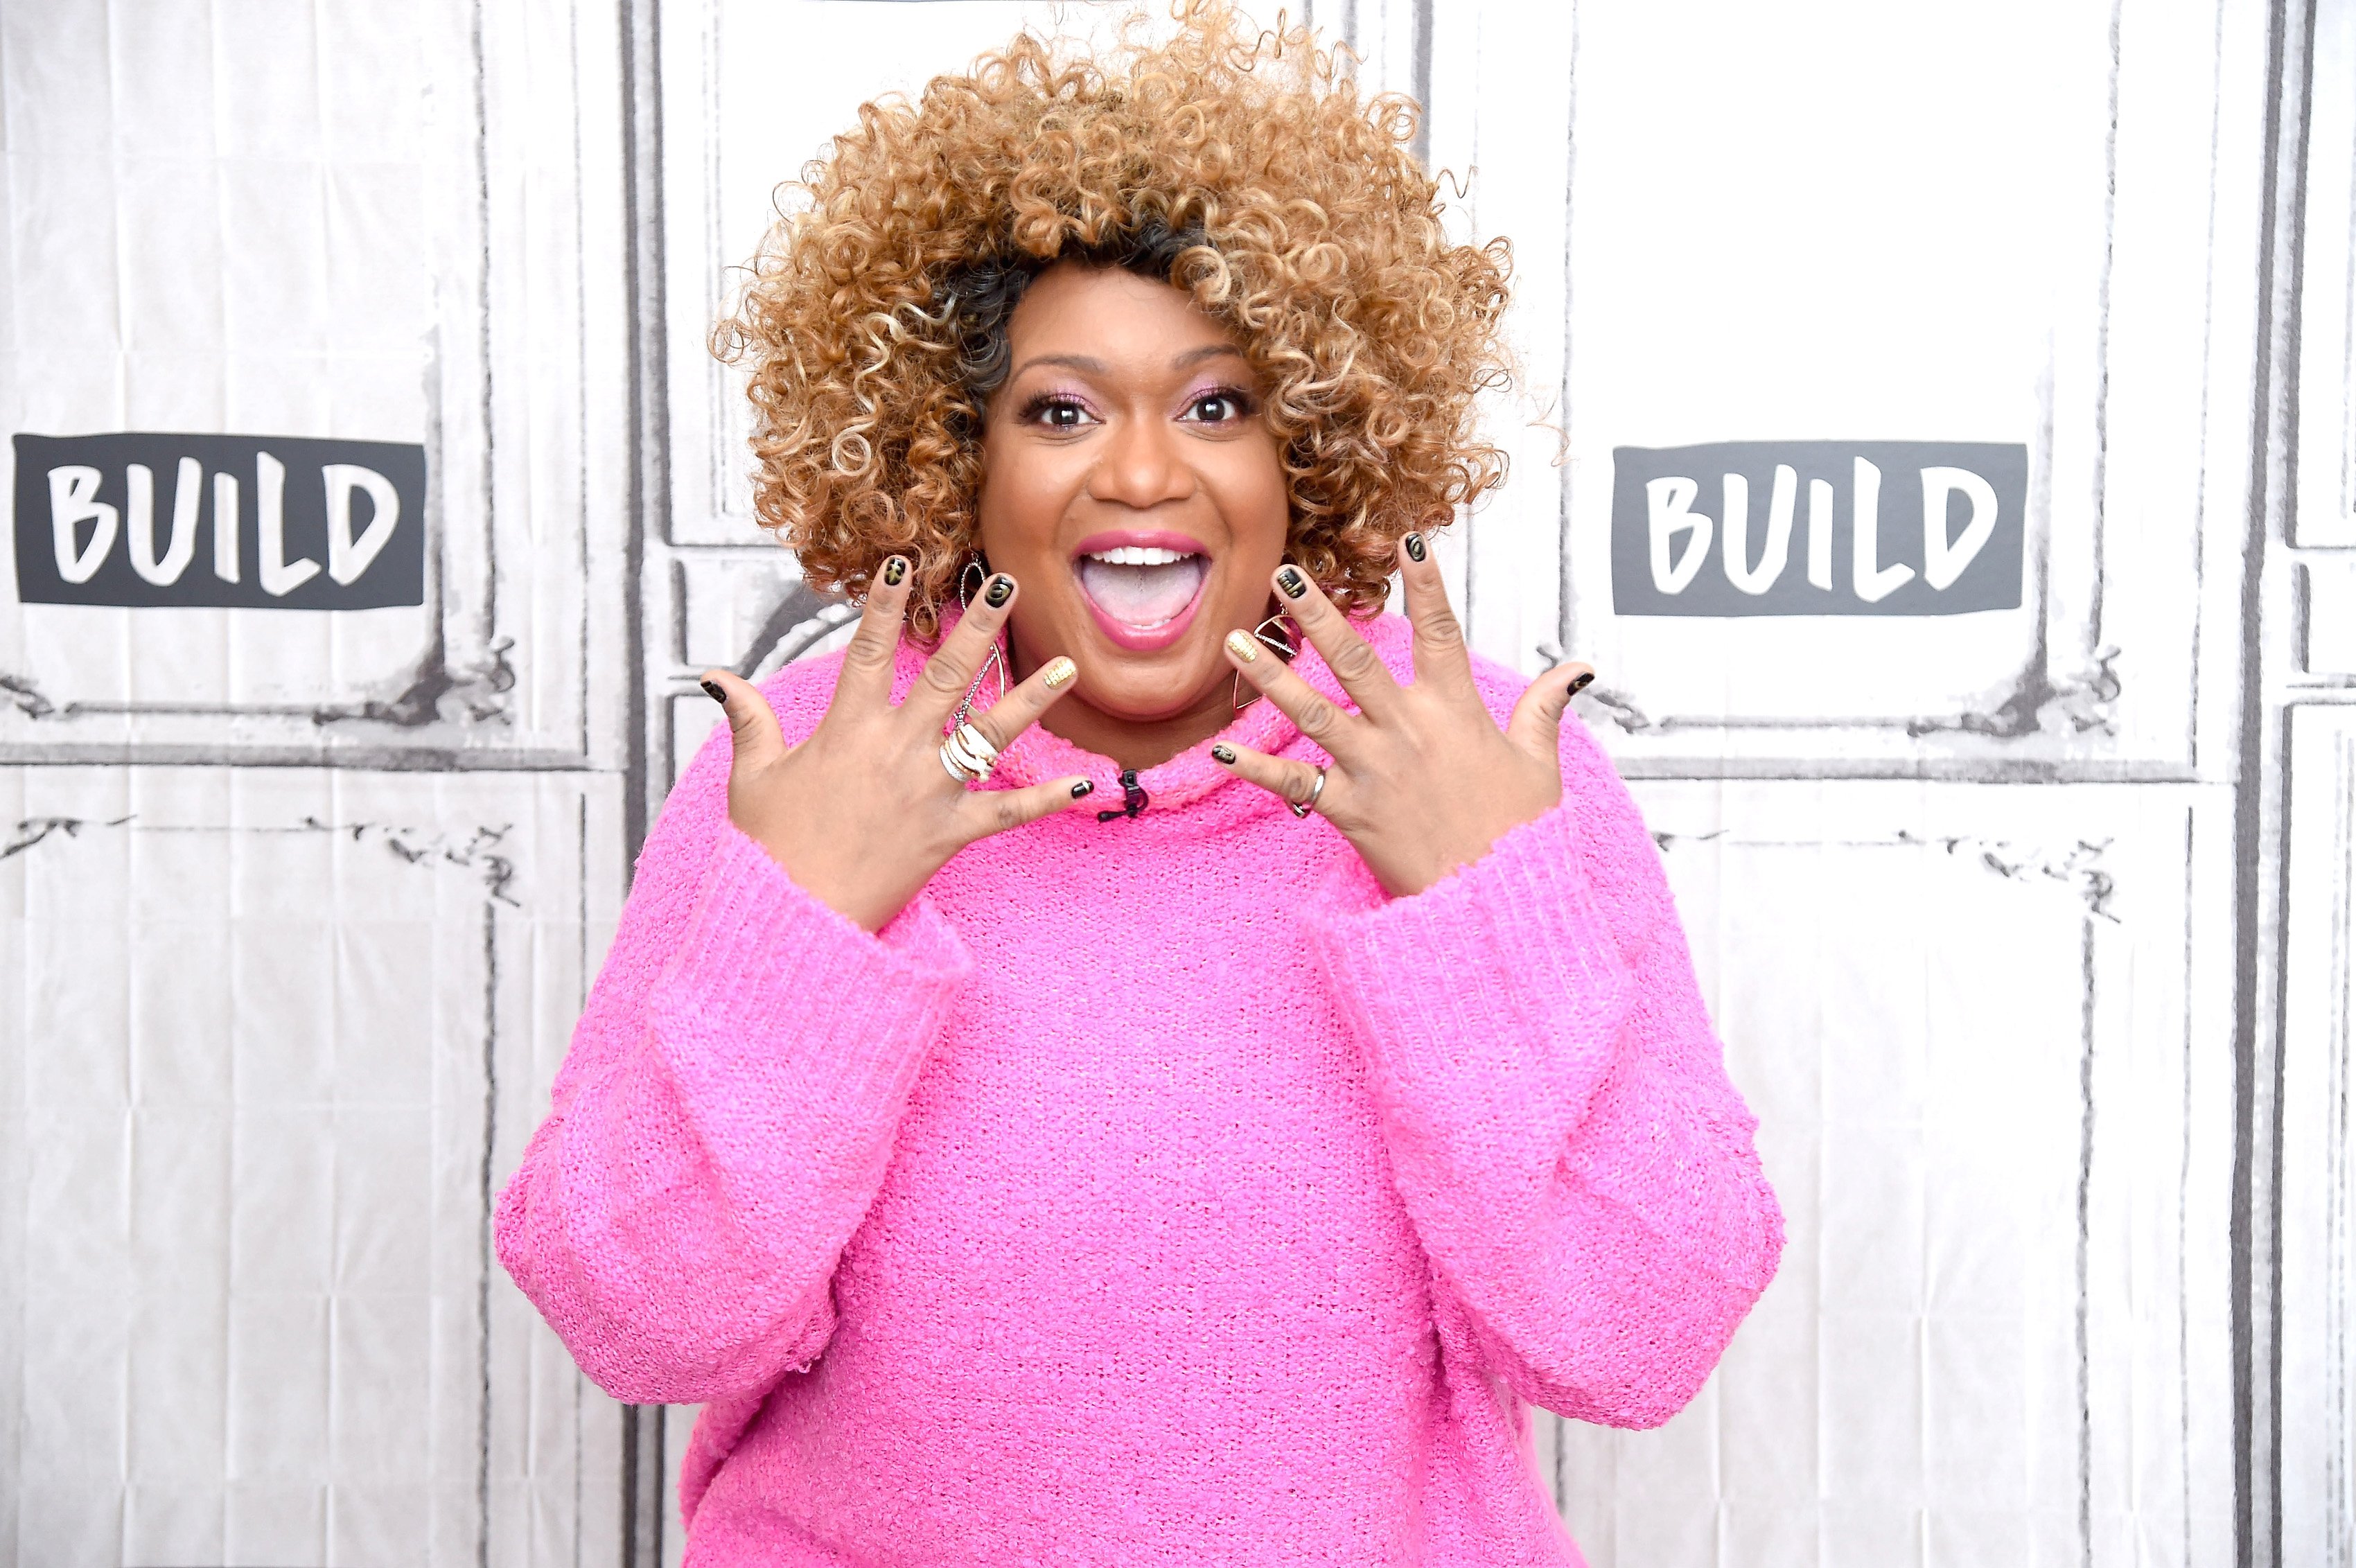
x=236 y=521
x=1887 y=527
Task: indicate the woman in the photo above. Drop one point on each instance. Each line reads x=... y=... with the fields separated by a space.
x=1073 y=1084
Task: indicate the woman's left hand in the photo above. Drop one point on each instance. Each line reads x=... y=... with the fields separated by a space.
x=1422 y=780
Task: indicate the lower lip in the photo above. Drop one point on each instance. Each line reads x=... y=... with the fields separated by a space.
x=1143 y=639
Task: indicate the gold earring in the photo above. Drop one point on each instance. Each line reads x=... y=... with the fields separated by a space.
x=1285 y=644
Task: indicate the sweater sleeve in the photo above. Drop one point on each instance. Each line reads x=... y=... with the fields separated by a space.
x=1561 y=1126
x=723 y=1116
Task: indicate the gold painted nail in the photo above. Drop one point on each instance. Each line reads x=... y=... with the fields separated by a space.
x=1240 y=645
x=1059 y=671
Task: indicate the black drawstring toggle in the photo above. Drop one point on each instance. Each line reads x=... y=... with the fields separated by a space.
x=1133 y=798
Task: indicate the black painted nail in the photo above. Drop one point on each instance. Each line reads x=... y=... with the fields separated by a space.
x=1582 y=683
x=712 y=689
x=894 y=571
x=1001 y=589
x=1415 y=547
x=1083 y=789
x=1292 y=583
x=1223 y=751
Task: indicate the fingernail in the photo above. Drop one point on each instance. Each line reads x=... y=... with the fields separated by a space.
x=1059 y=670
x=1240 y=645
x=1223 y=751
x=1292 y=583
x=712 y=689
x=1582 y=683
x=1001 y=589
x=895 y=568
x=1415 y=547
x=1082 y=790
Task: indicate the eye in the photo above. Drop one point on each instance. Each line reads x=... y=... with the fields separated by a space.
x=1222 y=407
x=1057 y=413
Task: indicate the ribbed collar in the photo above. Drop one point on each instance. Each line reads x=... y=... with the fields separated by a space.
x=1191 y=775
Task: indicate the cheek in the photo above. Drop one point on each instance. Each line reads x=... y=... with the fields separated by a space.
x=1018 y=504
x=1253 y=501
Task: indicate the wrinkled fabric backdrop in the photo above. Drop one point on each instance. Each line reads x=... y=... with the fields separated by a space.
x=2025 y=911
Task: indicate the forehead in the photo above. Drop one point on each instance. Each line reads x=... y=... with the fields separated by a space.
x=1108 y=313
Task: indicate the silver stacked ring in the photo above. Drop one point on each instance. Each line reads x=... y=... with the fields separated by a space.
x=968 y=756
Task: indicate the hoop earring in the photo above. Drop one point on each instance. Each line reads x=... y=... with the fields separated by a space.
x=978 y=568
x=1284 y=644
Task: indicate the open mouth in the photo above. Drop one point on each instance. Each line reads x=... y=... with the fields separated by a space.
x=1143 y=593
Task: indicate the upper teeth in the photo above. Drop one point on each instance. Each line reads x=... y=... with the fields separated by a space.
x=1139 y=555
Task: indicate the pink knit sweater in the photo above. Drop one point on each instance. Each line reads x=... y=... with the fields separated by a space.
x=1151 y=1191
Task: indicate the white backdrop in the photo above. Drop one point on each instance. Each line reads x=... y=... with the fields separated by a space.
x=2028 y=930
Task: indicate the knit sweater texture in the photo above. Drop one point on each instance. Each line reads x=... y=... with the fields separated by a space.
x=1150 y=1192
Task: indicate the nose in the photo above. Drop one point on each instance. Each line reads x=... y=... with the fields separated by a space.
x=1141 y=466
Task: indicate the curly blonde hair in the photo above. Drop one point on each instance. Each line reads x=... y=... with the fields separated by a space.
x=1241 y=165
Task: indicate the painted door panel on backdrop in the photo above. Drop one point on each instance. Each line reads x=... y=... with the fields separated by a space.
x=2002 y=1128
x=290 y=1022
x=2310 y=671
x=2313 y=672
x=2326 y=493
x=1856 y=223
x=359 y=223
x=2319 y=1142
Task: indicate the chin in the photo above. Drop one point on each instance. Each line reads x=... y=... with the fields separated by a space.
x=1147 y=688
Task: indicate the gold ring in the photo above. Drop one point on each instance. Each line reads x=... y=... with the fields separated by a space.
x=954 y=762
x=957 y=755
x=977 y=746
x=1304 y=808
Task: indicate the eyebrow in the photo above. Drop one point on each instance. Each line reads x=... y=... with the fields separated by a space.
x=1095 y=367
x=1208 y=351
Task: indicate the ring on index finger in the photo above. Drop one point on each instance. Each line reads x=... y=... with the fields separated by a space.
x=1303 y=809
x=967 y=755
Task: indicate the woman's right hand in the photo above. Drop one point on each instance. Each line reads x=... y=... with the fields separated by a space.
x=862 y=813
